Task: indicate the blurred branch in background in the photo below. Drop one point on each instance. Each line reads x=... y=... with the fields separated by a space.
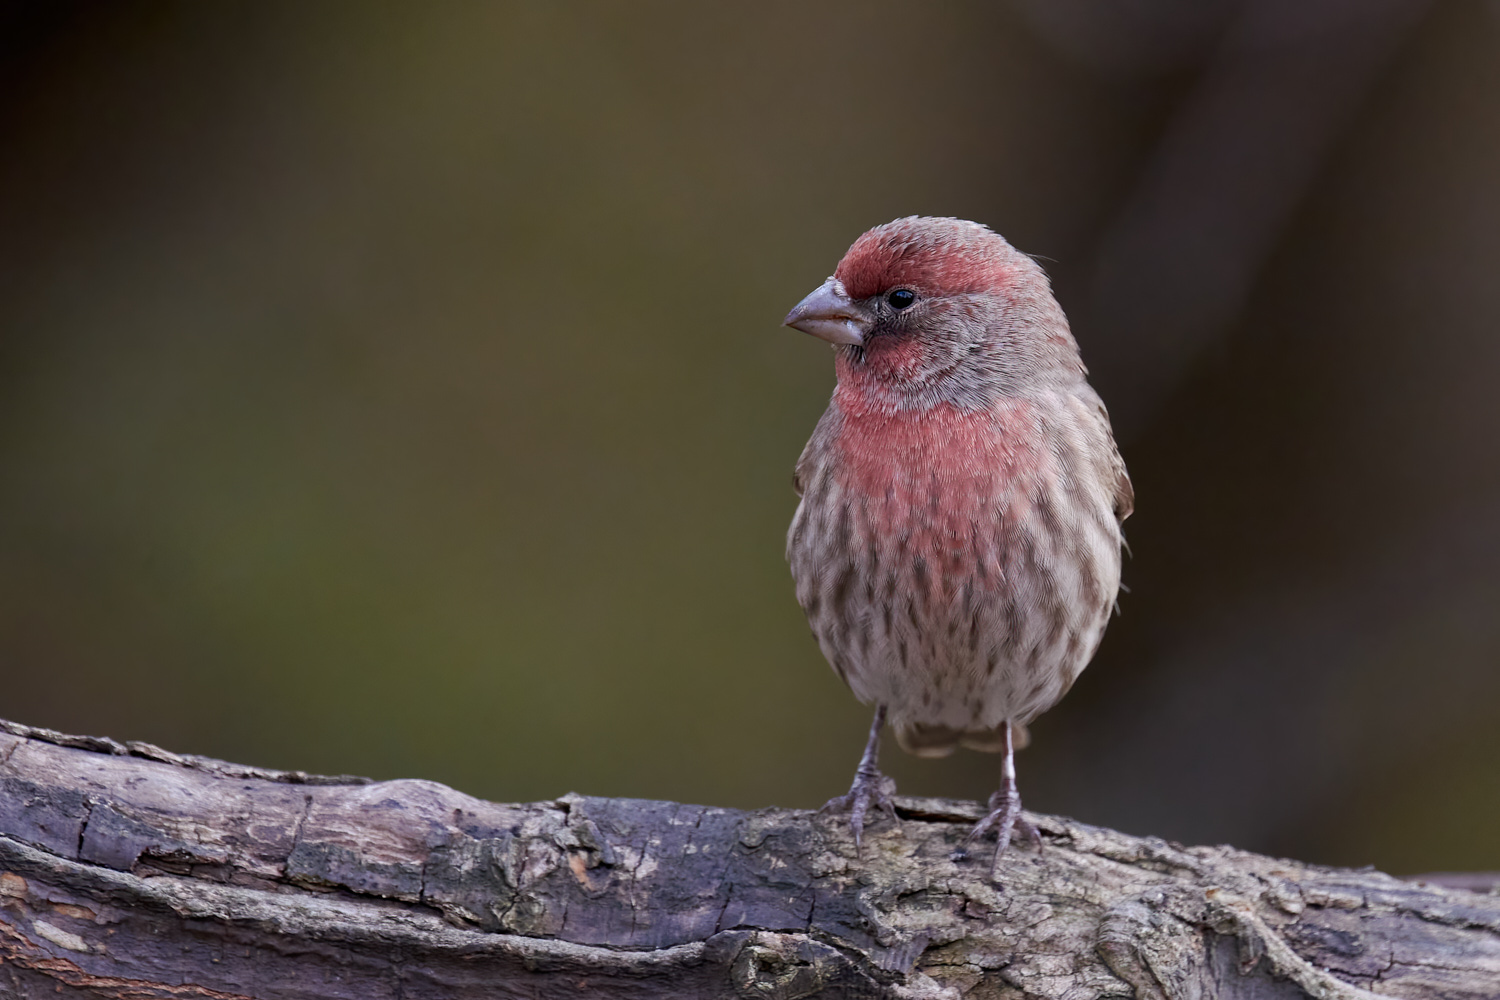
x=1275 y=86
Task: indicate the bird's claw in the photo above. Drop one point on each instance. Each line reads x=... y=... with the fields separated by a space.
x=1005 y=818
x=870 y=788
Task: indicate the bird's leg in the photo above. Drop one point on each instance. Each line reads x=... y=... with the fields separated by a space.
x=1005 y=809
x=870 y=786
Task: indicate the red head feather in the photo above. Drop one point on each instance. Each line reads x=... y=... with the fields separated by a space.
x=936 y=256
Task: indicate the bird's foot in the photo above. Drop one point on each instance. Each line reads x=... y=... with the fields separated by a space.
x=870 y=788
x=1005 y=819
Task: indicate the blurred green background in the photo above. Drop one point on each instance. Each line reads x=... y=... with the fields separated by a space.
x=398 y=389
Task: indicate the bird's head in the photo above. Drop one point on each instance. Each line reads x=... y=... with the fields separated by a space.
x=927 y=309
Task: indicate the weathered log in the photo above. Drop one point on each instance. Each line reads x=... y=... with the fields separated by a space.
x=130 y=872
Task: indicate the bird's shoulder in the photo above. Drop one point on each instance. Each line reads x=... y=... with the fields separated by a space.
x=1124 y=491
x=816 y=450
x=1111 y=465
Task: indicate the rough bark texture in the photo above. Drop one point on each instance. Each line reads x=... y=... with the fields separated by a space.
x=130 y=872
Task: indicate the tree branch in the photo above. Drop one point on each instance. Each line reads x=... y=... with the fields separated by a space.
x=130 y=872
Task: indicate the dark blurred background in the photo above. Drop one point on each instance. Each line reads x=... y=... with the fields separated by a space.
x=399 y=389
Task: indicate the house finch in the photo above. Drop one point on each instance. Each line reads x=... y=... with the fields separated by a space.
x=957 y=546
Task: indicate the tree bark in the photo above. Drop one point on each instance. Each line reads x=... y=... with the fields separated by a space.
x=130 y=872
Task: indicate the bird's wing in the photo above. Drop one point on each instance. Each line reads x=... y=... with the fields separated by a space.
x=813 y=451
x=1124 y=492
x=800 y=470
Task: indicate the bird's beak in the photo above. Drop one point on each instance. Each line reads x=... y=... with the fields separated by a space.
x=830 y=314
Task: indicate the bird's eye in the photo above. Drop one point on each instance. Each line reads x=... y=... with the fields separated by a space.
x=901 y=298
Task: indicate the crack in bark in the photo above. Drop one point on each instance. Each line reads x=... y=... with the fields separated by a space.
x=88 y=813
x=635 y=871
x=286 y=865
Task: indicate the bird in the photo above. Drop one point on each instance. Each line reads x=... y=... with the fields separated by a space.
x=957 y=544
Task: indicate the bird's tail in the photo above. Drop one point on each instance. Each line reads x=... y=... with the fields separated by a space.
x=940 y=741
